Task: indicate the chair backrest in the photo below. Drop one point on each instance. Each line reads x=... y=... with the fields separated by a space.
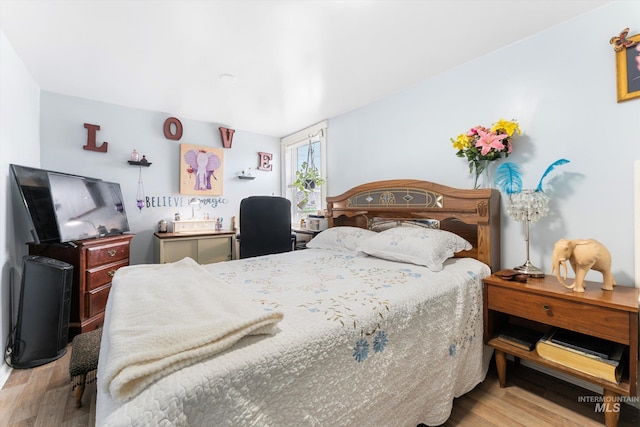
x=265 y=226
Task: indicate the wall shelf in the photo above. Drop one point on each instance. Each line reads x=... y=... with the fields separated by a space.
x=131 y=162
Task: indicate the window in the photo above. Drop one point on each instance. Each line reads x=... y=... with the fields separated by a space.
x=305 y=153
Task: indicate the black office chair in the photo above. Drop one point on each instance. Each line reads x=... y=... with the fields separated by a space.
x=265 y=226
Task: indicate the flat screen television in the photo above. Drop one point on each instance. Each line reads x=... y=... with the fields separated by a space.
x=64 y=207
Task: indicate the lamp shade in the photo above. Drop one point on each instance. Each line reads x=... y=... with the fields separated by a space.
x=528 y=205
x=193 y=203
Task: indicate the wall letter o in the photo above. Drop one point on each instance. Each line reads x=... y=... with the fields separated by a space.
x=167 y=129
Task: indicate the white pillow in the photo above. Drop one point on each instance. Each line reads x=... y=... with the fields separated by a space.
x=421 y=246
x=345 y=239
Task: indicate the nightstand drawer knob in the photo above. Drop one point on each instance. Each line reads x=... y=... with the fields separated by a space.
x=111 y=273
x=546 y=307
x=112 y=252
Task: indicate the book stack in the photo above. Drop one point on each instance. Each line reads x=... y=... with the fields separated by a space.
x=584 y=353
x=519 y=336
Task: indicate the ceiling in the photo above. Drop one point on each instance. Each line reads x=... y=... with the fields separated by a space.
x=266 y=66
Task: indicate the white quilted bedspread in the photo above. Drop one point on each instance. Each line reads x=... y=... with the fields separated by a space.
x=363 y=341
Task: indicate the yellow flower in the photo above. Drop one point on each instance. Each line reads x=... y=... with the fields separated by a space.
x=462 y=141
x=510 y=127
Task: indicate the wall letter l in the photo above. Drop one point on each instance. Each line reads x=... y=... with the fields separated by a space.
x=91 y=139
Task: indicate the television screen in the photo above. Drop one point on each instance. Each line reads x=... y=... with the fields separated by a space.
x=64 y=207
x=86 y=207
x=33 y=186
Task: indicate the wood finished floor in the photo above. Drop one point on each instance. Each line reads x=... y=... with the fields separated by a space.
x=42 y=397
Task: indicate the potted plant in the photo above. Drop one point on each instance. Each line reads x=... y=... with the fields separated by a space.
x=307 y=179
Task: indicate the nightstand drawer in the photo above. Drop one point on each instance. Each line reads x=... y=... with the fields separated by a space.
x=594 y=320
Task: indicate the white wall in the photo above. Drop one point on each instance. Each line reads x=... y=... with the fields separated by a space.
x=19 y=143
x=63 y=135
x=561 y=87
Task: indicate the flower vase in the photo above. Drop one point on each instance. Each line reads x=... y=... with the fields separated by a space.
x=482 y=171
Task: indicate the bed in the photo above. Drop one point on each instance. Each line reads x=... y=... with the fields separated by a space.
x=364 y=327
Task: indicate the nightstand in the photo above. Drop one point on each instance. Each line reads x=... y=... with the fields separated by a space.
x=303 y=235
x=542 y=303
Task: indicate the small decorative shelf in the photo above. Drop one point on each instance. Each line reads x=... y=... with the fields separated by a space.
x=131 y=162
x=246 y=177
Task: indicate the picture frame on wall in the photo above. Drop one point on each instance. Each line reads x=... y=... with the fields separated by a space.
x=201 y=170
x=628 y=70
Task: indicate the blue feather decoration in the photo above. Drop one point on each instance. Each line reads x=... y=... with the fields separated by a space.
x=549 y=169
x=508 y=178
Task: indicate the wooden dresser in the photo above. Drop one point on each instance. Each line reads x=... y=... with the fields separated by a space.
x=542 y=303
x=94 y=261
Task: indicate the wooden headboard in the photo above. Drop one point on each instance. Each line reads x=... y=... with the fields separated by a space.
x=472 y=214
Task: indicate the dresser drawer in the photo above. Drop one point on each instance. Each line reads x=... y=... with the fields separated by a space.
x=97 y=300
x=594 y=320
x=106 y=254
x=93 y=324
x=97 y=277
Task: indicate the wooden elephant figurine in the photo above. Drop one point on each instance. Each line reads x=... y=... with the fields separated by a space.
x=583 y=255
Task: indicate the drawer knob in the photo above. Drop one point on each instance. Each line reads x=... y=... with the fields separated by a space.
x=110 y=273
x=546 y=307
x=111 y=252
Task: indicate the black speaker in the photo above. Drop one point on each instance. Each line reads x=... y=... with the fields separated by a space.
x=42 y=326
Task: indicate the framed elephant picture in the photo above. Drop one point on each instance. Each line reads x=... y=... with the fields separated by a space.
x=201 y=170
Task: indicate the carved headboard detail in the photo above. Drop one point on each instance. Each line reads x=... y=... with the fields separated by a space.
x=395 y=198
x=472 y=214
